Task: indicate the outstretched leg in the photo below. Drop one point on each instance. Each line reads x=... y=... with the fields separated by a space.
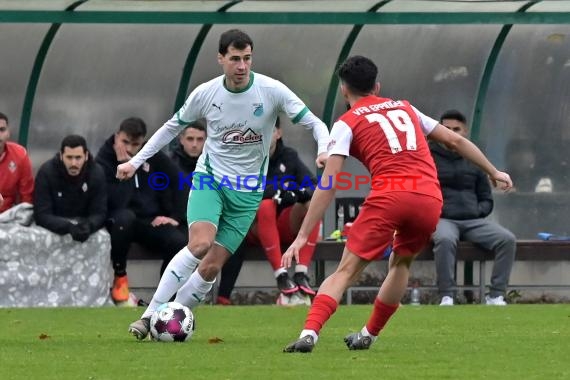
x=327 y=299
x=200 y=283
x=177 y=273
x=386 y=303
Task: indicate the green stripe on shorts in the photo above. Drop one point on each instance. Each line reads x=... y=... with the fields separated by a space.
x=230 y=210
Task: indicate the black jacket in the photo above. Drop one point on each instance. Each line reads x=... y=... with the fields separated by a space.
x=136 y=193
x=465 y=187
x=184 y=162
x=186 y=166
x=287 y=171
x=59 y=197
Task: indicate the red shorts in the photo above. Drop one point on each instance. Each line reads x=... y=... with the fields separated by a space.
x=405 y=220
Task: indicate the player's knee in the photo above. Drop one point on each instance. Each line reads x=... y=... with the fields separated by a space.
x=347 y=274
x=200 y=245
x=398 y=260
x=209 y=269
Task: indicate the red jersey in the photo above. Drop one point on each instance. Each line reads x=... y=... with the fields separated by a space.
x=388 y=137
x=16 y=179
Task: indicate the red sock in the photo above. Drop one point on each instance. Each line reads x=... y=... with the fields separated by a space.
x=323 y=307
x=267 y=232
x=306 y=253
x=380 y=316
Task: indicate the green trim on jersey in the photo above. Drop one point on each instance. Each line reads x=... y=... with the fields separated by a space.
x=261 y=172
x=180 y=121
x=240 y=91
x=300 y=115
x=208 y=166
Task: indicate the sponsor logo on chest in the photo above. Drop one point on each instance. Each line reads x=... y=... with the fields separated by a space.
x=239 y=137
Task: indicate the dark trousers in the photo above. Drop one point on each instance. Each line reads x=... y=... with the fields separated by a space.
x=125 y=228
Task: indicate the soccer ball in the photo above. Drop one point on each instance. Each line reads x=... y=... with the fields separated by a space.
x=172 y=322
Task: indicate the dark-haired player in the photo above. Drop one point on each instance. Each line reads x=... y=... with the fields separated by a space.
x=403 y=209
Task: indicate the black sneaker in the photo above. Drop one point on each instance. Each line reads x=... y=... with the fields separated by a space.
x=285 y=285
x=304 y=344
x=302 y=281
x=357 y=341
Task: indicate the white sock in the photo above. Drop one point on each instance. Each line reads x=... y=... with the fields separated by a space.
x=175 y=275
x=311 y=333
x=301 y=268
x=277 y=272
x=365 y=332
x=194 y=291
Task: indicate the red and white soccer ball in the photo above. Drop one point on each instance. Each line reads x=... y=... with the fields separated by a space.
x=172 y=322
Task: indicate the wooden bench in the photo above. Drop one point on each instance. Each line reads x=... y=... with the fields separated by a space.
x=527 y=250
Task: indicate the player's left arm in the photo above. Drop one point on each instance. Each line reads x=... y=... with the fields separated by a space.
x=470 y=151
x=187 y=114
x=453 y=141
x=300 y=114
x=320 y=134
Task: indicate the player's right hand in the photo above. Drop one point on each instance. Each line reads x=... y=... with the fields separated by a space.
x=293 y=251
x=321 y=160
x=125 y=171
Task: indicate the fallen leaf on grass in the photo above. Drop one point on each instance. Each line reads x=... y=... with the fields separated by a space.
x=215 y=340
x=44 y=336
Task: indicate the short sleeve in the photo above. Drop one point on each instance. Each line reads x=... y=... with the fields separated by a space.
x=340 y=139
x=427 y=124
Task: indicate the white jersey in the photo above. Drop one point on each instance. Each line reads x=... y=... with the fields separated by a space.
x=239 y=127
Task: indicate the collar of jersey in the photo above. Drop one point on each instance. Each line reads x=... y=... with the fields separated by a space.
x=243 y=90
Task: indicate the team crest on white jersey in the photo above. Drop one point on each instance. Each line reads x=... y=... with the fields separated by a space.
x=257 y=109
x=239 y=137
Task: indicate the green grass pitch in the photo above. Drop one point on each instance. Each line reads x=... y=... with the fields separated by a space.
x=425 y=342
